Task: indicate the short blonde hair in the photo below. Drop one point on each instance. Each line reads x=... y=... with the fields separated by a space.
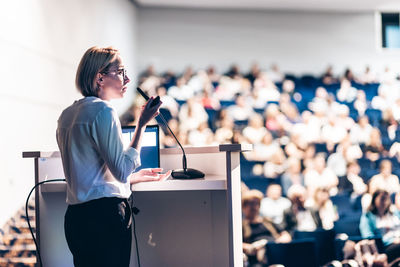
x=95 y=60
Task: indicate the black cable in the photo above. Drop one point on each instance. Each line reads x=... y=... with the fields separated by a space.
x=135 y=211
x=27 y=216
x=136 y=243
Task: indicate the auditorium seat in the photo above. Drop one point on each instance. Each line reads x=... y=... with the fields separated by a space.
x=343 y=204
x=226 y=103
x=374 y=116
x=298 y=253
x=349 y=225
x=324 y=243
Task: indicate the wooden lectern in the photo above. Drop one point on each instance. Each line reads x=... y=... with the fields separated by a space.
x=180 y=223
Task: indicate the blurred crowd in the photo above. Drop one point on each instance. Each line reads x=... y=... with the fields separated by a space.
x=315 y=139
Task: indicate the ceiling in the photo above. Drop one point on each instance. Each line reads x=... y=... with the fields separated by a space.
x=320 y=5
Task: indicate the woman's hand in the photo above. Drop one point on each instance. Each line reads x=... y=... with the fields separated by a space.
x=149 y=175
x=149 y=112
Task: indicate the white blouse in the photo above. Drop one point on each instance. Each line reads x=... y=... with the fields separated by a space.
x=90 y=140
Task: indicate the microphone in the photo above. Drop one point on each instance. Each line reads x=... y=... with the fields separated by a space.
x=185 y=173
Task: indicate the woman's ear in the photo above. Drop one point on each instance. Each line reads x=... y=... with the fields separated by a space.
x=99 y=79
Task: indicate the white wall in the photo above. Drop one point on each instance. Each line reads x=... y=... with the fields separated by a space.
x=42 y=42
x=300 y=42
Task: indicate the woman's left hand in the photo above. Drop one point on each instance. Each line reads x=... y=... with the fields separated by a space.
x=149 y=175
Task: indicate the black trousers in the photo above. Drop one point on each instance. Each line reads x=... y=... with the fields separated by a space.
x=98 y=232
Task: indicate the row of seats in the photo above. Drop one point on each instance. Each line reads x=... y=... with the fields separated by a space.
x=311 y=249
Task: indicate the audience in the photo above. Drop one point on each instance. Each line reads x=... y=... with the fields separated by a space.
x=306 y=143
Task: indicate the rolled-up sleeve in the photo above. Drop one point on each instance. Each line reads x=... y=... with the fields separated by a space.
x=107 y=136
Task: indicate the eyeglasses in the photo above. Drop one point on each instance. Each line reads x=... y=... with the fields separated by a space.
x=121 y=72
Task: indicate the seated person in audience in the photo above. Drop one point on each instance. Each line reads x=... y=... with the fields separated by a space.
x=274 y=204
x=234 y=71
x=298 y=216
x=328 y=77
x=213 y=75
x=288 y=87
x=343 y=118
x=345 y=152
x=368 y=76
x=181 y=91
x=374 y=148
x=289 y=109
x=385 y=180
x=309 y=128
x=332 y=133
x=320 y=176
x=360 y=133
x=324 y=205
x=224 y=133
x=254 y=72
x=191 y=115
x=349 y=75
x=187 y=73
x=346 y=93
x=258 y=230
x=296 y=146
x=292 y=175
x=237 y=137
x=255 y=131
x=381 y=101
x=276 y=165
x=199 y=81
x=221 y=115
x=266 y=89
x=227 y=88
x=320 y=103
x=389 y=124
x=382 y=221
x=168 y=101
x=361 y=104
x=240 y=111
x=275 y=120
x=202 y=136
x=352 y=182
x=307 y=161
x=208 y=101
x=275 y=74
x=266 y=150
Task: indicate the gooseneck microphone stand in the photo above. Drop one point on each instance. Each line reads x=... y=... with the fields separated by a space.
x=185 y=173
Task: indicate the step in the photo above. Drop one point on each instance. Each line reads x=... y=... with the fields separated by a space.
x=22 y=227
x=15 y=239
x=18 y=261
x=22 y=250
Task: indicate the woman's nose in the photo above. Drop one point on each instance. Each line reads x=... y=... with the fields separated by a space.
x=126 y=80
